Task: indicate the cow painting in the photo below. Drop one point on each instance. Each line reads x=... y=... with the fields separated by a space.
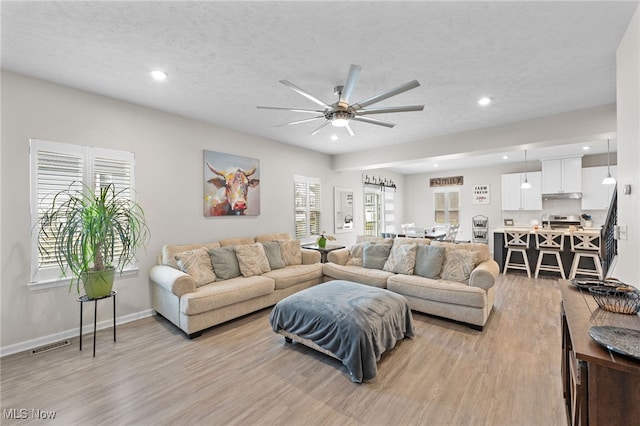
x=228 y=184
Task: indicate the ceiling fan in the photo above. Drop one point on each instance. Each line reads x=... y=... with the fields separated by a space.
x=340 y=113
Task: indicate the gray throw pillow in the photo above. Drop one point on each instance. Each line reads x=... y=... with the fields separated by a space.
x=225 y=262
x=274 y=255
x=374 y=256
x=429 y=261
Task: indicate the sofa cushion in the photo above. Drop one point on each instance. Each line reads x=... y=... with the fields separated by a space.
x=458 y=265
x=225 y=263
x=402 y=259
x=375 y=255
x=197 y=263
x=267 y=238
x=438 y=290
x=429 y=260
x=223 y=293
x=295 y=274
x=370 y=239
x=408 y=240
x=355 y=254
x=252 y=259
x=358 y=274
x=483 y=251
x=291 y=252
x=169 y=251
x=274 y=254
x=236 y=242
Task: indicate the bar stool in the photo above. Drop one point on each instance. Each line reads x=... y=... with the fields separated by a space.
x=550 y=242
x=586 y=244
x=516 y=241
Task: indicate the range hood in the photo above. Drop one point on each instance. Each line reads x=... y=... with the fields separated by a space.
x=563 y=196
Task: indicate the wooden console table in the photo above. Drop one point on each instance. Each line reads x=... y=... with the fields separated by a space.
x=600 y=387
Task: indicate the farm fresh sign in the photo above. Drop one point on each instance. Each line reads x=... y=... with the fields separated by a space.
x=481 y=194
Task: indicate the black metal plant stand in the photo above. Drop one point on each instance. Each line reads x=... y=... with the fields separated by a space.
x=83 y=300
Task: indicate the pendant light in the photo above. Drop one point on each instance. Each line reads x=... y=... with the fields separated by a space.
x=525 y=184
x=609 y=180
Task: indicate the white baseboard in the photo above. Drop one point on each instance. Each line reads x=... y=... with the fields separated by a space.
x=87 y=328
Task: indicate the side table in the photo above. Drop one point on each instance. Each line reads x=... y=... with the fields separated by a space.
x=323 y=250
x=83 y=300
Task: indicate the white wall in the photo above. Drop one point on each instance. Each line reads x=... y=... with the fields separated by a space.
x=628 y=99
x=169 y=152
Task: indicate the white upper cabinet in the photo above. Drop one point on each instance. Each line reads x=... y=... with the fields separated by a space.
x=595 y=195
x=562 y=175
x=516 y=198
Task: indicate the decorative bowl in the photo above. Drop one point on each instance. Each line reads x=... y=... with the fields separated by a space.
x=623 y=299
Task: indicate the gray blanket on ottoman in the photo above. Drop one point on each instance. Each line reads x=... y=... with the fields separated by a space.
x=355 y=322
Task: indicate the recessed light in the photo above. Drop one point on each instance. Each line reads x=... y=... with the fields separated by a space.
x=159 y=75
x=586 y=148
x=435 y=165
x=505 y=157
x=334 y=137
x=484 y=101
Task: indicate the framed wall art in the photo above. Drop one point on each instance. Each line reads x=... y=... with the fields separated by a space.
x=231 y=185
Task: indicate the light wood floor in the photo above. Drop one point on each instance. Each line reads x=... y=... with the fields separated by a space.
x=243 y=373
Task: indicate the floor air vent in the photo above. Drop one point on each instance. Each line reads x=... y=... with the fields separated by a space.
x=50 y=347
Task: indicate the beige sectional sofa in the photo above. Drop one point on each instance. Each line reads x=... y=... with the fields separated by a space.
x=210 y=294
x=462 y=290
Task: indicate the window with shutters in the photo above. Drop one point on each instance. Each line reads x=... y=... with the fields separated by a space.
x=59 y=166
x=446 y=206
x=306 y=196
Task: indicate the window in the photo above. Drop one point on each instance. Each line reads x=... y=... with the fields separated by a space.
x=372 y=216
x=306 y=197
x=446 y=206
x=57 y=166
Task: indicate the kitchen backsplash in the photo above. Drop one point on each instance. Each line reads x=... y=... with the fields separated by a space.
x=554 y=207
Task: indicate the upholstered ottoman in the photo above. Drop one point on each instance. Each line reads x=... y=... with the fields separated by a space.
x=354 y=323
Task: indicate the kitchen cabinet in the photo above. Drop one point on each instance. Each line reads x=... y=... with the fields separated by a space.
x=562 y=175
x=595 y=195
x=516 y=198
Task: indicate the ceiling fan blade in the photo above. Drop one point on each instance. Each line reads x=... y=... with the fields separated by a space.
x=319 y=128
x=300 y=121
x=384 y=95
x=349 y=129
x=373 y=121
x=349 y=85
x=292 y=109
x=384 y=110
x=304 y=93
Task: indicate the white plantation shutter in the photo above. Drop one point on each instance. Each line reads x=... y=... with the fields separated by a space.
x=57 y=166
x=307 y=206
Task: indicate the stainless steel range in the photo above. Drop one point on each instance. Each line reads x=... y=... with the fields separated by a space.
x=561 y=222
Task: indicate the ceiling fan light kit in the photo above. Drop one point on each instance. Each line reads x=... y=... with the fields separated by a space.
x=341 y=113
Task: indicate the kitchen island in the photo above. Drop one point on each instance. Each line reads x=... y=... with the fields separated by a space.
x=500 y=251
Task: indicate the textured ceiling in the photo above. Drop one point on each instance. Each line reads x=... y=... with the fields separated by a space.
x=225 y=58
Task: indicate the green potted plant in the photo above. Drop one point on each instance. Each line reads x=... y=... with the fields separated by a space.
x=322 y=239
x=93 y=235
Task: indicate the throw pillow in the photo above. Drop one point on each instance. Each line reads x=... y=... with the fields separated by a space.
x=274 y=255
x=197 y=263
x=355 y=255
x=458 y=265
x=402 y=259
x=291 y=252
x=252 y=259
x=374 y=256
x=225 y=262
x=429 y=261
